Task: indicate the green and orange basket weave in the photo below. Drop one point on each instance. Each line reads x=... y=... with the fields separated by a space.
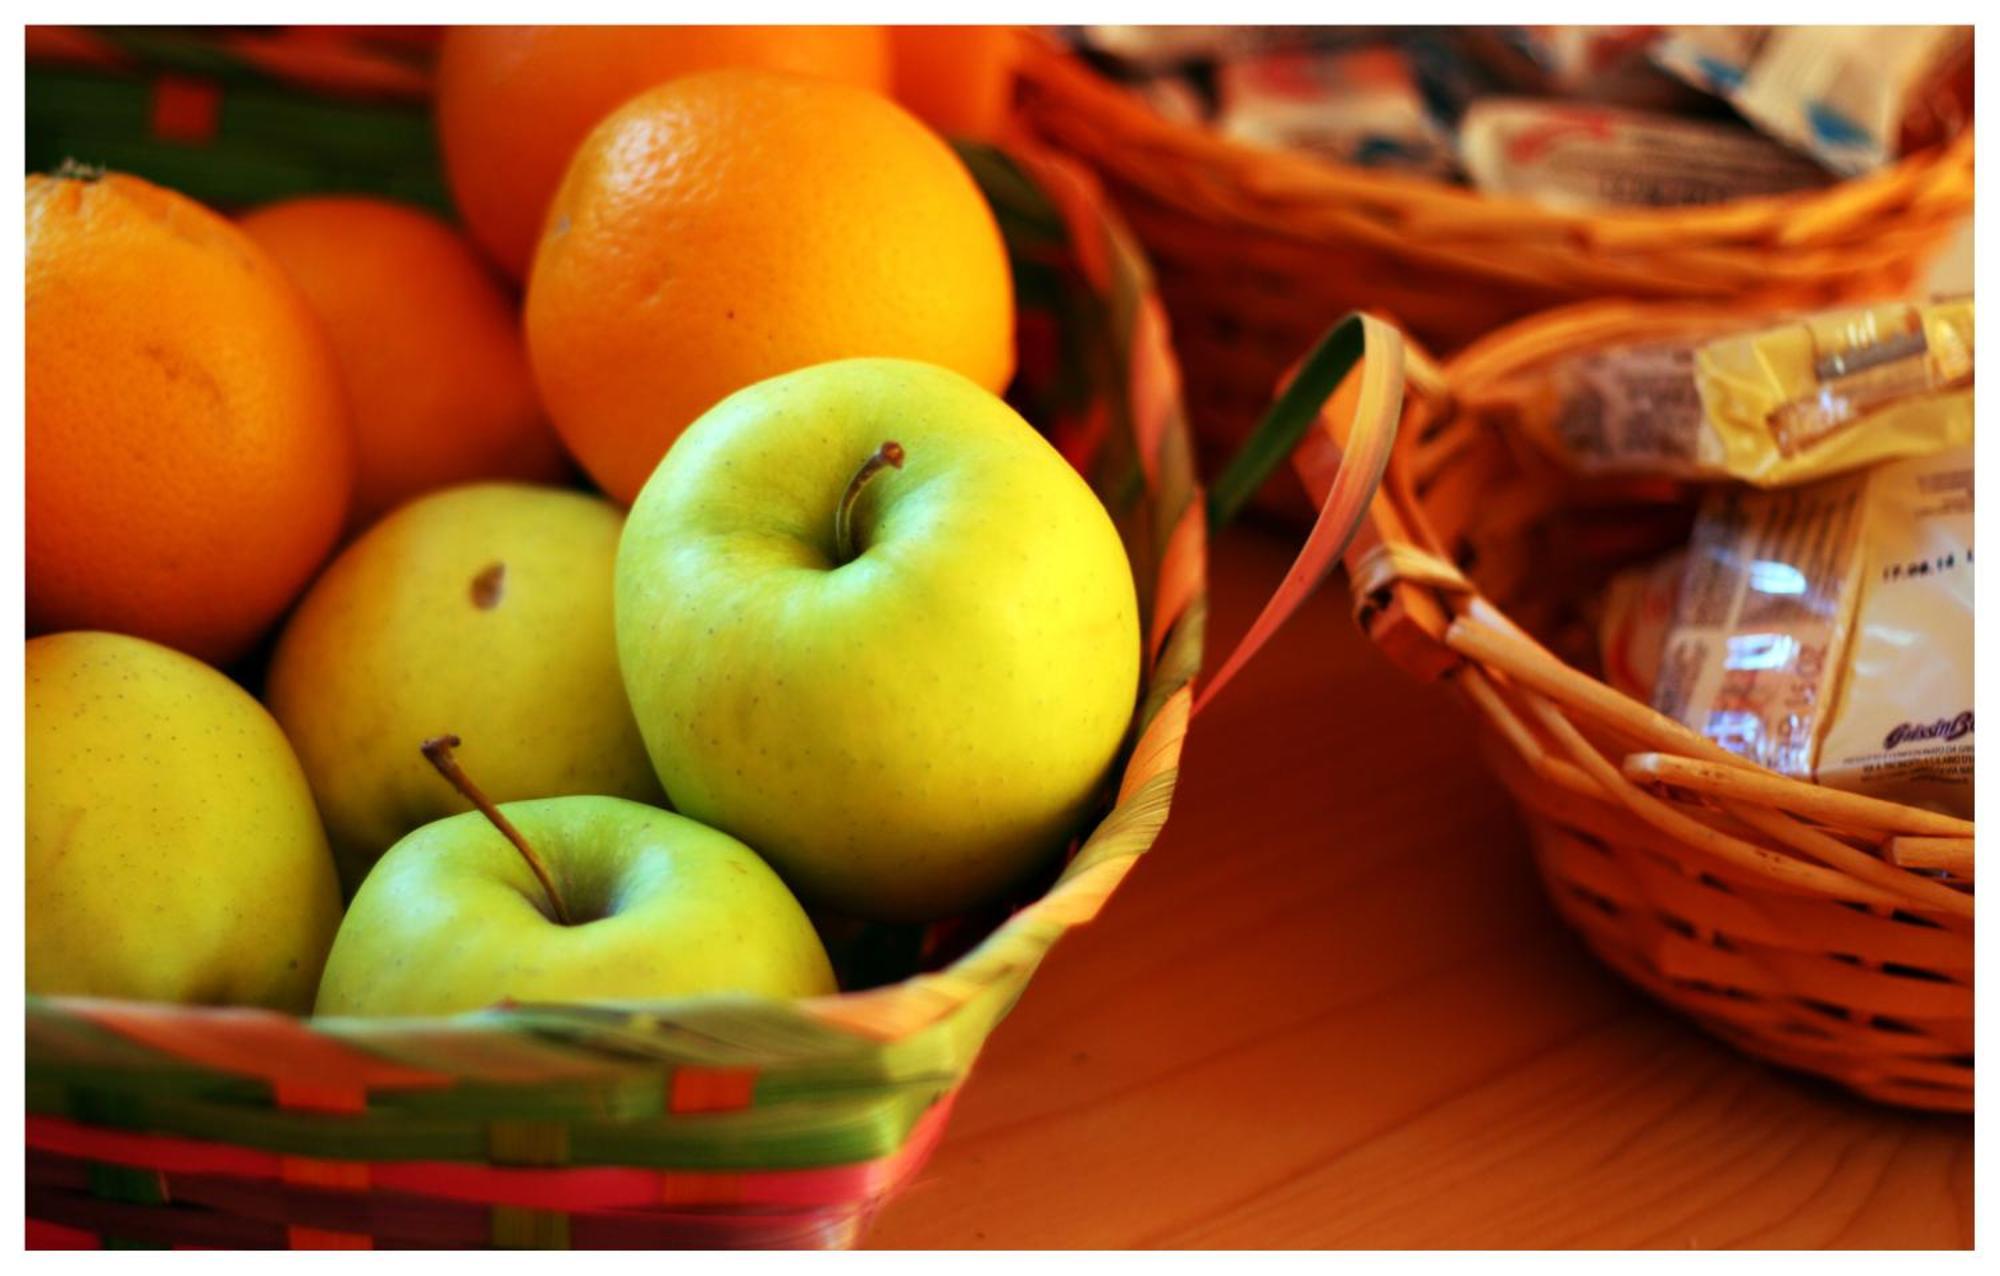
x=717 y=1122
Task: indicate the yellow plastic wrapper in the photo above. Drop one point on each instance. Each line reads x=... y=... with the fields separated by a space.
x=1835 y=392
x=1790 y=402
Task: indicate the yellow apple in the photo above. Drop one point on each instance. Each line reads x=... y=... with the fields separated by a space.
x=173 y=853
x=903 y=686
x=484 y=611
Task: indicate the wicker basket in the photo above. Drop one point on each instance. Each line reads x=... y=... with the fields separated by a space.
x=717 y=1122
x=1782 y=916
x=1256 y=248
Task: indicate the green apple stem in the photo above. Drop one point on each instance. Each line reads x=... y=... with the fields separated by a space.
x=439 y=750
x=888 y=455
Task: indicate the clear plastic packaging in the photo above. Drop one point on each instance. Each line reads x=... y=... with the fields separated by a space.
x=1826 y=631
x=1761 y=624
x=1772 y=404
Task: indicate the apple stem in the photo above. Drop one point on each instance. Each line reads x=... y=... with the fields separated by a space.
x=888 y=455
x=439 y=750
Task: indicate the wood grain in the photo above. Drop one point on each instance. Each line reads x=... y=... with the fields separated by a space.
x=1331 y=1008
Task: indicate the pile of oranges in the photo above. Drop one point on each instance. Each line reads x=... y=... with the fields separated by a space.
x=652 y=218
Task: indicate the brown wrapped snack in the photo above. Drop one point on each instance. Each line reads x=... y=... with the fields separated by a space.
x=1569 y=155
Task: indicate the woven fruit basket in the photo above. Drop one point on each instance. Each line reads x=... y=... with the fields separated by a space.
x=1309 y=239
x=1824 y=931
x=714 y=1122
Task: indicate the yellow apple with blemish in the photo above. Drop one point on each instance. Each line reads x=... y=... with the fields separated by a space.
x=483 y=609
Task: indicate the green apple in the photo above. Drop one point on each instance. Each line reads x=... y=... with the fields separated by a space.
x=173 y=853
x=566 y=899
x=484 y=610
x=908 y=723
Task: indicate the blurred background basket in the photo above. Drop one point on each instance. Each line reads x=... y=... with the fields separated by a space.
x=1821 y=930
x=716 y=1122
x=1258 y=249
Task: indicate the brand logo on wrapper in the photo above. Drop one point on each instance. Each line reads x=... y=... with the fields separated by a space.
x=1946 y=729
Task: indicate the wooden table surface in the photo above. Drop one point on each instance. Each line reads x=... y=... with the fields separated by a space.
x=1331 y=1009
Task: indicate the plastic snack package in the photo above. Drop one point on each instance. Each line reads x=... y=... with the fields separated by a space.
x=1715 y=60
x=1637 y=611
x=1768 y=402
x=1360 y=106
x=1760 y=627
x=1630 y=409
x=1852 y=97
x=1901 y=727
x=1566 y=155
x=1838 y=390
x=1608 y=64
x=1826 y=631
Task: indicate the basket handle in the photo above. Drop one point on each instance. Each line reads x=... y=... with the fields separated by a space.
x=1364 y=454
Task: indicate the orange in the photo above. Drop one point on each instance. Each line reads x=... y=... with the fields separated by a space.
x=428 y=343
x=729 y=226
x=189 y=460
x=958 y=80
x=513 y=102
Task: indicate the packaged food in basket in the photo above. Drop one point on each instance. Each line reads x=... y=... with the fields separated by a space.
x=1837 y=390
x=1712 y=59
x=1901 y=727
x=1775 y=403
x=1824 y=631
x=1762 y=620
x=1852 y=97
x=1357 y=106
x=1609 y=64
x=1628 y=409
x=1574 y=156
x=1635 y=613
